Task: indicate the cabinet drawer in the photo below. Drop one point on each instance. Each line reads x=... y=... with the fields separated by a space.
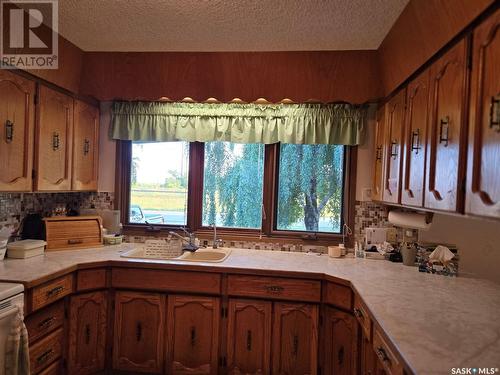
x=361 y=313
x=91 y=279
x=53 y=369
x=386 y=356
x=52 y=291
x=275 y=288
x=45 y=321
x=338 y=295
x=159 y=280
x=46 y=351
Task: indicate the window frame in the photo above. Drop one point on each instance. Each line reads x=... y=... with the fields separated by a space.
x=268 y=231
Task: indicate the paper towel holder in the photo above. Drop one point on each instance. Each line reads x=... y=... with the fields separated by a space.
x=426 y=218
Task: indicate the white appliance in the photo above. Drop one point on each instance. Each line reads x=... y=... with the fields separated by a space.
x=375 y=236
x=11 y=300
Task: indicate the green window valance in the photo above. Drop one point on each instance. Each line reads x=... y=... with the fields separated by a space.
x=241 y=123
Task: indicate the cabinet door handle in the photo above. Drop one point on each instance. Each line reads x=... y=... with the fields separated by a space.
x=378 y=153
x=340 y=356
x=193 y=336
x=75 y=241
x=444 y=127
x=138 y=331
x=87 y=334
x=86 y=147
x=46 y=323
x=382 y=355
x=44 y=357
x=55 y=141
x=275 y=289
x=359 y=314
x=295 y=345
x=9 y=131
x=55 y=291
x=495 y=112
x=394 y=149
x=415 y=141
x=249 y=340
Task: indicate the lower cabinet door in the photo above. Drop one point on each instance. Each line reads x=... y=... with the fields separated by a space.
x=139 y=332
x=295 y=339
x=368 y=357
x=340 y=343
x=249 y=337
x=192 y=334
x=87 y=333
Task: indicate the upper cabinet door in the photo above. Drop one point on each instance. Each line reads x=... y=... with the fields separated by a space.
x=295 y=339
x=54 y=140
x=193 y=332
x=445 y=148
x=378 y=169
x=16 y=132
x=85 y=147
x=483 y=187
x=417 y=100
x=394 y=119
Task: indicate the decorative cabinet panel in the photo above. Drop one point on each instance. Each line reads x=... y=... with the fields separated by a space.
x=417 y=100
x=249 y=337
x=445 y=148
x=85 y=147
x=17 y=121
x=295 y=339
x=368 y=358
x=193 y=332
x=54 y=141
x=87 y=333
x=394 y=122
x=483 y=172
x=378 y=169
x=139 y=332
x=340 y=349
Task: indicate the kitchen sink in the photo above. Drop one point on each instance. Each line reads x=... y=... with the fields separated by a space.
x=202 y=255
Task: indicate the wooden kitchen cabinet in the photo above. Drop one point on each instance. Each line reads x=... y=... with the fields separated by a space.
x=447 y=122
x=394 y=124
x=415 y=137
x=192 y=334
x=340 y=345
x=87 y=333
x=249 y=336
x=483 y=172
x=295 y=339
x=85 y=147
x=139 y=332
x=17 y=122
x=378 y=168
x=54 y=141
x=368 y=358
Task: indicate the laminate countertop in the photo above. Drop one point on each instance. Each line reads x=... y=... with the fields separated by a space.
x=437 y=323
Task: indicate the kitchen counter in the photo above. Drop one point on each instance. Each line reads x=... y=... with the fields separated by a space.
x=437 y=323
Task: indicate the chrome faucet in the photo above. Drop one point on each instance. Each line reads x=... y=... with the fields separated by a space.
x=188 y=245
x=217 y=242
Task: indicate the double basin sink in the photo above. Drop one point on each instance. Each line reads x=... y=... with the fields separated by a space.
x=202 y=255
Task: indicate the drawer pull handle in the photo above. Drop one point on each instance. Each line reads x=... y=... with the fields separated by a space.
x=359 y=314
x=55 y=291
x=44 y=357
x=75 y=241
x=495 y=112
x=443 y=131
x=46 y=323
x=383 y=355
x=193 y=336
x=415 y=141
x=378 y=153
x=394 y=149
x=295 y=346
x=55 y=141
x=249 y=340
x=9 y=131
x=86 y=147
x=275 y=289
x=138 y=331
x=87 y=334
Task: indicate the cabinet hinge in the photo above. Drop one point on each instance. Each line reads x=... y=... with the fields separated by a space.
x=35 y=99
x=66 y=312
x=33 y=174
x=223 y=312
x=320 y=320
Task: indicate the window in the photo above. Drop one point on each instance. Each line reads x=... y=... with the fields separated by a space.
x=310 y=188
x=278 y=190
x=232 y=184
x=158 y=183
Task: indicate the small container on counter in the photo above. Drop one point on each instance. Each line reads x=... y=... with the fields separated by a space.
x=25 y=248
x=112 y=239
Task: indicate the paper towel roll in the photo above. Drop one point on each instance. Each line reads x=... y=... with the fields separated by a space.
x=409 y=220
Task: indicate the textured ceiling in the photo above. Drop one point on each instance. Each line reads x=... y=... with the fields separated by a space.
x=225 y=25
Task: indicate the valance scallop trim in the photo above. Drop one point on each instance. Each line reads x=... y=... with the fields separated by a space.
x=240 y=123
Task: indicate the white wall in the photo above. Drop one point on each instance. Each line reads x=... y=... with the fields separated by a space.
x=364 y=173
x=107 y=151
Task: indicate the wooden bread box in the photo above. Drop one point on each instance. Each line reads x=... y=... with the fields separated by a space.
x=72 y=232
